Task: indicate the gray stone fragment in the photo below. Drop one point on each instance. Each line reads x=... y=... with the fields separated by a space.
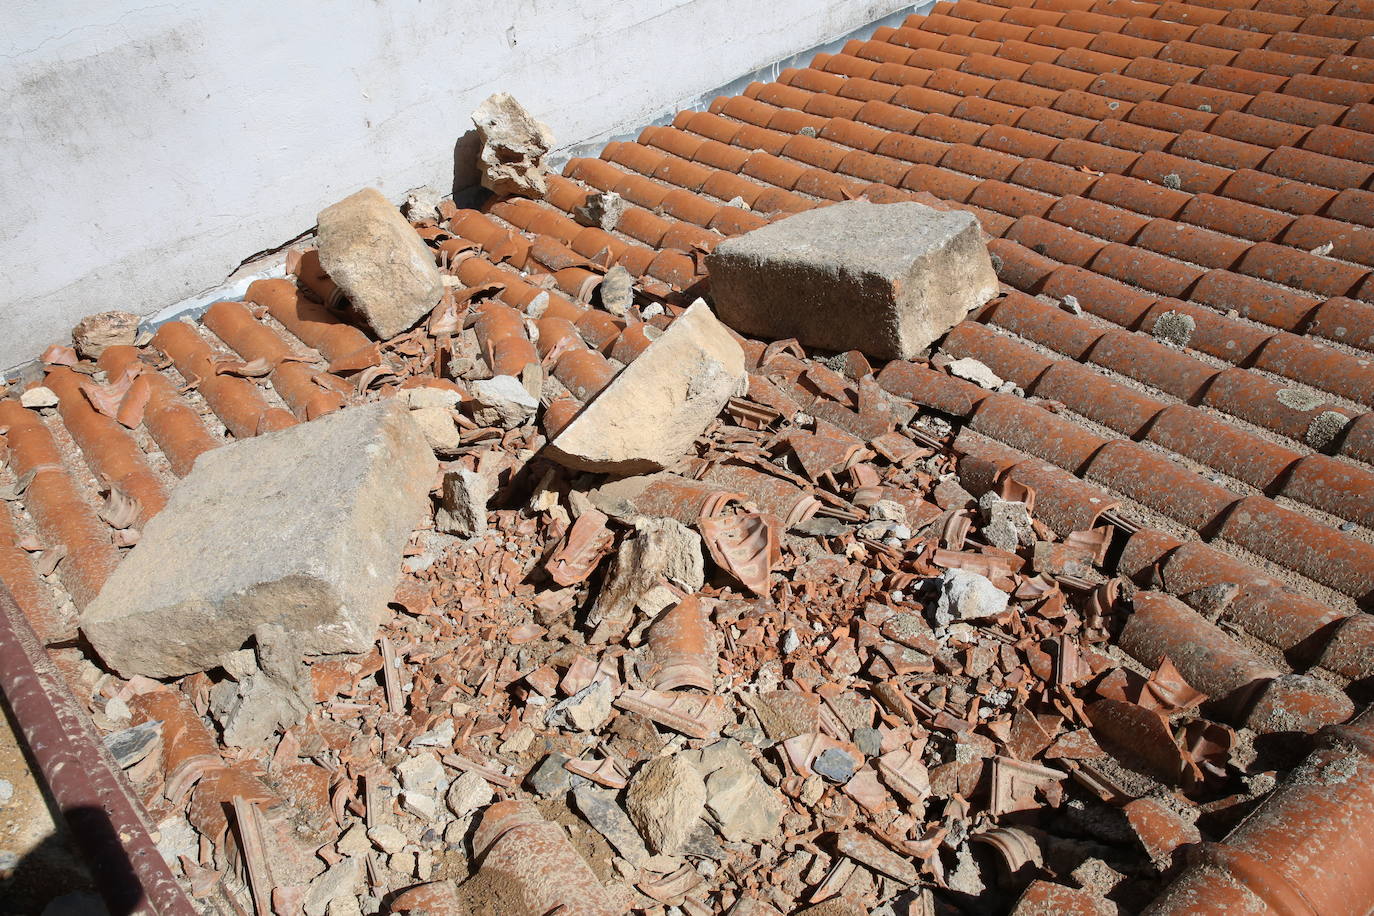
x=468 y=793
x=972 y=370
x=464 y=508
x=742 y=805
x=869 y=741
x=422 y=203
x=585 y=710
x=598 y=806
x=834 y=765
x=513 y=147
x=176 y=837
x=966 y=595
x=1006 y=523
x=38 y=397
x=549 y=778
x=661 y=548
x=280 y=655
x=303 y=528
x=430 y=396
x=129 y=745
x=440 y=429
x=886 y=279
x=423 y=781
x=263 y=707
x=384 y=268
x=601 y=210
x=442 y=735
x=344 y=876
x=502 y=401
x=618 y=291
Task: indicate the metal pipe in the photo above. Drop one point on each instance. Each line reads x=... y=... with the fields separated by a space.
x=98 y=804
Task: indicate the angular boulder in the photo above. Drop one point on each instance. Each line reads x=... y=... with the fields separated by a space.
x=513 y=147
x=650 y=414
x=885 y=279
x=379 y=261
x=302 y=528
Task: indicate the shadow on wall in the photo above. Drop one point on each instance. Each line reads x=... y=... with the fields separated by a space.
x=467 y=189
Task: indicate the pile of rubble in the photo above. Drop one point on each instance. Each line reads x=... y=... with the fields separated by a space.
x=685 y=622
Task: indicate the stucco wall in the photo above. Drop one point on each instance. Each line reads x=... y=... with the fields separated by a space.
x=147 y=150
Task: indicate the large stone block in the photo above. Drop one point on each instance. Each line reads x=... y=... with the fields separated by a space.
x=886 y=279
x=651 y=413
x=379 y=261
x=302 y=528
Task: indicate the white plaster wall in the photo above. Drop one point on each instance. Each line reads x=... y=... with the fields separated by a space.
x=147 y=150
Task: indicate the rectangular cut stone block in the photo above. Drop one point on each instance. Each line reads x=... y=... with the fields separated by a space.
x=379 y=261
x=886 y=279
x=651 y=413
x=303 y=528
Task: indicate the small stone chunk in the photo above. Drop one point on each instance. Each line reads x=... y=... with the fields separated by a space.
x=441 y=432
x=550 y=778
x=1007 y=523
x=468 y=793
x=665 y=799
x=974 y=371
x=601 y=210
x=585 y=710
x=967 y=595
x=38 y=397
x=107 y=329
x=502 y=401
x=463 y=511
x=834 y=765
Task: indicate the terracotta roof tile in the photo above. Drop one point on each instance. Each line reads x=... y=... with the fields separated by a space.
x=1137 y=195
x=1097 y=218
x=1188 y=175
x=1255 y=300
x=1327 y=89
x=1231 y=217
x=1171 y=118
x=1190 y=243
x=1275 y=192
x=1195 y=54
x=1208 y=99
